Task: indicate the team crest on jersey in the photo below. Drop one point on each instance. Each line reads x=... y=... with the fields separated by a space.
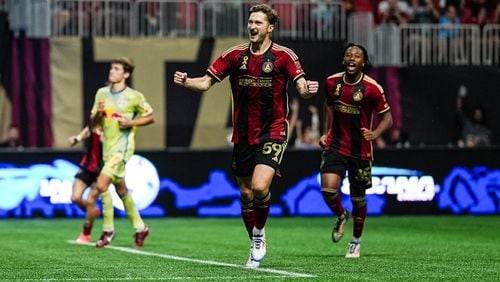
x=267 y=67
x=244 y=63
x=122 y=102
x=357 y=96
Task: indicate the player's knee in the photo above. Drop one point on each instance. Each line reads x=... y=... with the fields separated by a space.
x=329 y=193
x=75 y=199
x=358 y=202
x=260 y=190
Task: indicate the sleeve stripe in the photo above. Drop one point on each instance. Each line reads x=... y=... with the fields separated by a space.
x=374 y=82
x=213 y=75
x=237 y=47
x=299 y=76
x=384 y=110
x=286 y=50
x=339 y=74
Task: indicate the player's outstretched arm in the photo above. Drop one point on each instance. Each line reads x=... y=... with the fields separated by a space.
x=306 y=88
x=199 y=84
x=84 y=134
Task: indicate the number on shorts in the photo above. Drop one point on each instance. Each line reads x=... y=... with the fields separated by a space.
x=269 y=147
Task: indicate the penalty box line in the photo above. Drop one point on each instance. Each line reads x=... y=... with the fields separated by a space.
x=209 y=262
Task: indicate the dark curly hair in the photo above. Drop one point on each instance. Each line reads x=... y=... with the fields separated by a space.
x=363 y=49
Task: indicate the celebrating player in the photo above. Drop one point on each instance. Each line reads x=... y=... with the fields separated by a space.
x=258 y=73
x=351 y=99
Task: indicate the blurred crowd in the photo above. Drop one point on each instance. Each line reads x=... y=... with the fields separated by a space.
x=480 y=12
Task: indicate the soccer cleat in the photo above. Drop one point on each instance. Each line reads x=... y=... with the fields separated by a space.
x=251 y=263
x=353 y=250
x=140 y=236
x=258 y=245
x=338 y=228
x=105 y=239
x=83 y=239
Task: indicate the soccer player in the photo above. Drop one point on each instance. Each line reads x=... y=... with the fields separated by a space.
x=259 y=72
x=119 y=109
x=90 y=166
x=351 y=99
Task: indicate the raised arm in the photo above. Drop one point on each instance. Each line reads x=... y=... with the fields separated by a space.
x=306 y=88
x=199 y=84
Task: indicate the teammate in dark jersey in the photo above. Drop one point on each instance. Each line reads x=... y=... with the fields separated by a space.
x=90 y=166
x=258 y=72
x=351 y=99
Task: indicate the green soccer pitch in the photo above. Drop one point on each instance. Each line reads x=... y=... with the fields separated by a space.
x=423 y=248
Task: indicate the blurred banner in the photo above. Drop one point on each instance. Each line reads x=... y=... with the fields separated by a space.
x=199 y=183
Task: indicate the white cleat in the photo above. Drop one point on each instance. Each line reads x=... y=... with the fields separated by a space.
x=251 y=263
x=339 y=227
x=258 y=245
x=353 y=250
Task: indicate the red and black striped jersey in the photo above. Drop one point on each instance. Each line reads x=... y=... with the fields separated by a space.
x=92 y=160
x=259 y=90
x=353 y=106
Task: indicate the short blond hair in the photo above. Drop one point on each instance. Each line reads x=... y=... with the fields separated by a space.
x=128 y=64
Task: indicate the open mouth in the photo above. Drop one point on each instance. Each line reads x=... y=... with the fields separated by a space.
x=254 y=32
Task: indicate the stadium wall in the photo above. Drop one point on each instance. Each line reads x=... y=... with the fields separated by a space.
x=51 y=91
x=199 y=183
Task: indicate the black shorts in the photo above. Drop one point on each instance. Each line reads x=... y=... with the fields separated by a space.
x=359 y=171
x=246 y=157
x=86 y=176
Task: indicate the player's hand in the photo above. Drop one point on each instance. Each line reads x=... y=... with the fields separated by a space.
x=368 y=134
x=101 y=106
x=73 y=140
x=312 y=87
x=125 y=123
x=180 y=78
x=322 y=140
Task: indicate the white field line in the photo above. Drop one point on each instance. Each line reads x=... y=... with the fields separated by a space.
x=209 y=262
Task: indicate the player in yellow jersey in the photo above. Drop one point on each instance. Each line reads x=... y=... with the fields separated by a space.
x=119 y=109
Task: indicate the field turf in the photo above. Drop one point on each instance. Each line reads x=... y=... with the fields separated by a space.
x=423 y=248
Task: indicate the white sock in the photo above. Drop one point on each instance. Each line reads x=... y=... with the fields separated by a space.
x=257 y=231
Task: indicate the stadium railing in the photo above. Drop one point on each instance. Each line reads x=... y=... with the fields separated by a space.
x=490 y=42
x=299 y=19
x=404 y=45
x=425 y=44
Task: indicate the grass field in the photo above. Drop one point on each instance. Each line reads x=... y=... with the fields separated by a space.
x=299 y=249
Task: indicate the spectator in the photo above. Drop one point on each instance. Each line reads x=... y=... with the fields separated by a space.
x=13 y=139
x=308 y=136
x=323 y=13
x=474 y=128
x=495 y=19
x=424 y=11
x=449 y=38
x=449 y=19
x=394 y=12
